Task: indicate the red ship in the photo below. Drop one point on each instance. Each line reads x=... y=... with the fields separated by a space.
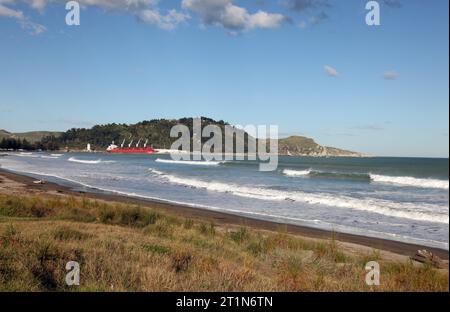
x=114 y=149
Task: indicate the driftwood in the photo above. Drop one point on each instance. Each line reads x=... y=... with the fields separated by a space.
x=427 y=257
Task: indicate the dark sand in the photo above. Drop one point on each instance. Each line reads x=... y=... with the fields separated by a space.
x=399 y=248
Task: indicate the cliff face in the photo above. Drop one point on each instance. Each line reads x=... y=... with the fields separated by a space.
x=303 y=146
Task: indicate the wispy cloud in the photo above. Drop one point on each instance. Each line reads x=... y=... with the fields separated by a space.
x=168 y=22
x=146 y=11
x=369 y=127
x=232 y=17
x=331 y=71
x=313 y=9
x=19 y=16
x=339 y=134
x=316 y=19
x=304 y=5
x=391 y=75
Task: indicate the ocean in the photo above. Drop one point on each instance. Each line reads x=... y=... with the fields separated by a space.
x=403 y=199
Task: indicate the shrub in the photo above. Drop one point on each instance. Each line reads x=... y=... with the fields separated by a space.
x=260 y=246
x=137 y=217
x=161 y=228
x=106 y=215
x=239 y=236
x=207 y=229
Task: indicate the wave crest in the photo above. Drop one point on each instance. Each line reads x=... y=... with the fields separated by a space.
x=410 y=181
x=90 y=162
x=189 y=162
x=296 y=173
x=369 y=177
x=426 y=212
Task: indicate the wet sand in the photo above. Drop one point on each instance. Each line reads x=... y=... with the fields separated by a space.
x=21 y=183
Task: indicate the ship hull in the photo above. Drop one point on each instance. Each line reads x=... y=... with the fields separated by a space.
x=146 y=150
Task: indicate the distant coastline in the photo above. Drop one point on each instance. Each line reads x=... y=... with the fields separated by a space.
x=157 y=133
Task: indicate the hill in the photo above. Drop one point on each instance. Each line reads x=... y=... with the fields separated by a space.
x=303 y=146
x=157 y=131
x=32 y=136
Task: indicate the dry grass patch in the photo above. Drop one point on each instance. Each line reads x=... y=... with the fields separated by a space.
x=130 y=248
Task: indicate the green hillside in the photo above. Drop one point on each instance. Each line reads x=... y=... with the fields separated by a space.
x=32 y=136
x=157 y=132
x=303 y=146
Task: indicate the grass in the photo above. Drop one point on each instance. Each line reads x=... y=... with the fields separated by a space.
x=164 y=252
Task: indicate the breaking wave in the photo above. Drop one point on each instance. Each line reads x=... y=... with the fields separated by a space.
x=296 y=173
x=426 y=212
x=23 y=154
x=410 y=181
x=189 y=162
x=90 y=162
x=369 y=177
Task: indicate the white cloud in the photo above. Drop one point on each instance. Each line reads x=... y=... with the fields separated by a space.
x=38 y=4
x=263 y=19
x=232 y=17
x=7 y=12
x=391 y=75
x=25 y=22
x=146 y=10
x=331 y=71
x=167 y=22
x=122 y=5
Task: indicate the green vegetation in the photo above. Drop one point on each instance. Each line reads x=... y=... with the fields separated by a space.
x=15 y=144
x=124 y=247
x=157 y=131
x=46 y=143
x=45 y=140
x=298 y=145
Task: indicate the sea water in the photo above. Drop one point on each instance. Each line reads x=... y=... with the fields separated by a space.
x=404 y=199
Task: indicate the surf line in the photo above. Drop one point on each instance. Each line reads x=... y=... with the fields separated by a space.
x=241 y=142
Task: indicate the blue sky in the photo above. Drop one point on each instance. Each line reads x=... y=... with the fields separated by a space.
x=313 y=67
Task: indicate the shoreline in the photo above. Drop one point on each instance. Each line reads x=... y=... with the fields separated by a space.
x=224 y=218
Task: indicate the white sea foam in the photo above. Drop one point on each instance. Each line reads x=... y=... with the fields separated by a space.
x=49 y=157
x=157 y=172
x=23 y=154
x=189 y=162
x=56 y=155
x=90 y=162
x=394 y=180
x=410 y=181
x=264 y=193
x=296 y=173
x=419 y=212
